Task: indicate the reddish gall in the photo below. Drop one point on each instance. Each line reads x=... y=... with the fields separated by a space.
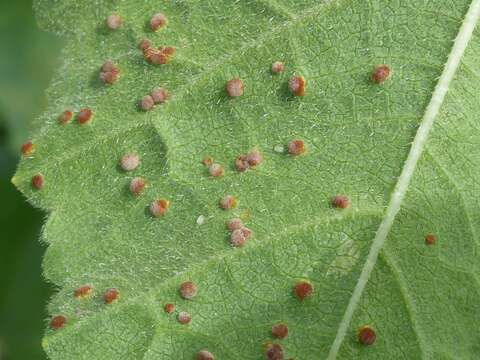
x=184 y=317
x=278 y=67
x=241 y=163
x=83 y=292
x=296 y=147
x=137 y=185
x=38 y=181
x=159 y=95
x=84 y=116
x=58 y=322
x=274 y=352
x=366 y=335
x=430 y=239
x=207 y=161
x=381 y=74
x=228 y=202
x=205 y=355
x=159 y=207
x=280 y=331
x=234 y=87
x=111 y=295
x=28 y=148
x=147 y=103
x=303 y=289
x=238 y=238
x=65 y=117
x=158 y=21
x=144 y=44
x=129 y=162
x=216 y=170
x=297 y=84
x=109 y=73
x=169 y=308
x=188 y=290
x=254 y=158
x=235 y=224
x=114 y=21
x=341 y=201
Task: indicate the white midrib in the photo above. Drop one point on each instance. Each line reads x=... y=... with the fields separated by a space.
x=454 y=59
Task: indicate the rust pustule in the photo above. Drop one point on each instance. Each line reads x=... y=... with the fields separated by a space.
x=366 y=335
x=341 y=201
x=159 y=207
x=188 y=290
x=297 y=85
x=28 y=148
x=303 y=289
x=111 y=295
x=381 y=74
x=234 y=87
x=58 y=322
x=83 y=292
x=38 y=181
x=280 y=331
x=84 y=116
x=65 y=117
x=296 y=147
x=430 y=239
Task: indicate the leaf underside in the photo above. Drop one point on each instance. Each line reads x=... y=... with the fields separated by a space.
x=422 y=300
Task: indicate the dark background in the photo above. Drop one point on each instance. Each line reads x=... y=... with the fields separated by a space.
x=27 y=58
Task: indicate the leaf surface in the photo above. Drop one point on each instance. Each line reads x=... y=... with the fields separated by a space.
x=368 y=264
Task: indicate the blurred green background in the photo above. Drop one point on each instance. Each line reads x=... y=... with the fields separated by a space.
x=27 y=59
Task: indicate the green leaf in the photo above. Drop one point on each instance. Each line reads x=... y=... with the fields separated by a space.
x=405 y=154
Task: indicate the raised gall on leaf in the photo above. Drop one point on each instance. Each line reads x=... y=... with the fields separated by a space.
x=188 y=290
x=235 y=224
x=341 y=201
x=169 y=308
x=216 y=170
x=234 y=87
x=278 y=67
x=159 y=208
x=366 y=335
x=296 y=147
x=109 y=73
x=147 y=103
x=205 y=355
x=130 y=162
x=28 y=148
x=38 y=181
x=274 y=352
x=85 y=116
x=381 y=74
x=158 y=21
x=159 y=95
x=58 y=322
x=83 y=292
x=280 y=331
x=184 y=317
x=114 y=22
x=228 y=202
x=65 y=117
x=303 y=289
x=430 y=239
x=297 y=85
x=111 y=295
x=137 y=185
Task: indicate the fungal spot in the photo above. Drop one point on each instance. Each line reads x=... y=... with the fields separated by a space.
x=38 y=181
x=111 y=295
x=228 y=202
x=341 y=201
x=184 y=317
x=303 y=289
x=430 y=239
x=109 y=73
x=278 y=67
x=159 y=207
x=274 y=352
x=145 y=44
x=169 y=308
x=114 y=21
x=207 y=161
x=28 y=148
x=280 y=331
x=235 y=224
x=241 y=163
x=254 y=158
x=238 y=238
x=129 y=162
x=366 y=335
x=65 y=117
x=188 y=290
x=83 y=292
x=297 y=84
x=158 y=21
x=234 y=87
x=296 y=147
x=205 y=355
x=381 y=74
x=216 y=170
x=58 y=322
x=159 y=95
x=147 y=103
x=137 y=185
x=84 y=116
